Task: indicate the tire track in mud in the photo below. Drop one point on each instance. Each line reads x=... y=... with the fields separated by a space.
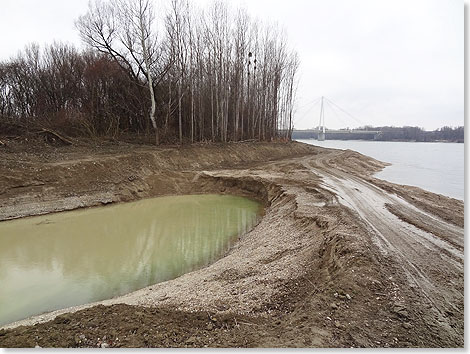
x=433 y=265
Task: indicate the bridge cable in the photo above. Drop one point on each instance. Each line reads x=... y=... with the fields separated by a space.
x=336 y=114
x=307 y=112
x=309 y=103
x=349 y=114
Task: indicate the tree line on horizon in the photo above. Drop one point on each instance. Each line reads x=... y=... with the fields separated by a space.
x=409 y=133
x=387 y=133
x=187 y=75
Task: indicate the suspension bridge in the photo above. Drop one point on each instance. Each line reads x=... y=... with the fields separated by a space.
x=322 y=133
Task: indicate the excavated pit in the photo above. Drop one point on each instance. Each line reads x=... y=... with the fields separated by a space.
x=311 y=273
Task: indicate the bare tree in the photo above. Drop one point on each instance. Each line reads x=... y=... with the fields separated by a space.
x=124 y=30
x=219 y=75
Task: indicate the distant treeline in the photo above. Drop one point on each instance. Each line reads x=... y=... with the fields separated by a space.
x=388 y=134
x=190 y=75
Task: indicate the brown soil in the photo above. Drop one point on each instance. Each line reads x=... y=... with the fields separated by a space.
x=340 y=258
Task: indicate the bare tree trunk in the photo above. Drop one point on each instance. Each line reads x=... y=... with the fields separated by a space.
x=180 y=121
x=192 y=113
x=212 y=111
x=237 y=117
x=143 y=39
x=169 y=106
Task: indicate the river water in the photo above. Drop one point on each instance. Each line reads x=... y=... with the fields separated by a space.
x=436 y=167
x=65 y=259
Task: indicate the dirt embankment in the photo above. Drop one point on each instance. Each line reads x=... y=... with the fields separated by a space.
x=340 y=259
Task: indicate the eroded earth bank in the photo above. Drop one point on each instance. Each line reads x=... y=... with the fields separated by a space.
x=340 y=259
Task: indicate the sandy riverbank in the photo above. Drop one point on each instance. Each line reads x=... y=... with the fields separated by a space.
x=339 y=259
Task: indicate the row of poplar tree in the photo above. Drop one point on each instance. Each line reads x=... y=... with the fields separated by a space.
x=183 y=75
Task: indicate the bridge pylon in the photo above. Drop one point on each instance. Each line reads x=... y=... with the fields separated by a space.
x=321 y=126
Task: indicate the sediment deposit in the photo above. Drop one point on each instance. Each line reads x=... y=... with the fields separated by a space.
x=339 y=259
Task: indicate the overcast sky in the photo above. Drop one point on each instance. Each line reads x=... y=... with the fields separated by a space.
x=397 y=62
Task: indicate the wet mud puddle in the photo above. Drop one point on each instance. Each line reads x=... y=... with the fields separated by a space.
x=72 y=258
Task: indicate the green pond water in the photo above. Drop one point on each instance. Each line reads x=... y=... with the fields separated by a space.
x=65 y=259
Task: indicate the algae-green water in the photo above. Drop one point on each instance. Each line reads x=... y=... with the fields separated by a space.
x=71 y=258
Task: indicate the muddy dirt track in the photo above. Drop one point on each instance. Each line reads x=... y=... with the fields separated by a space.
x=340 y=259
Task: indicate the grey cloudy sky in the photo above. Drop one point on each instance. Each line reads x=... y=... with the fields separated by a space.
x=397 y=62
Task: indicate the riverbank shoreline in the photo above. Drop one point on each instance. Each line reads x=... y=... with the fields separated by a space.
x=434 y=167
x=315 y=272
